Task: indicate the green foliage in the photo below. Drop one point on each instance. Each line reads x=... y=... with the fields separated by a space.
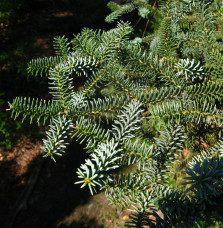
x=135 y=107
x=7 y=129
x=14 y=56
x=8 y=8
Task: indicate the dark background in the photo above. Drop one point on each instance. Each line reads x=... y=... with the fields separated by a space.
x=29 y=31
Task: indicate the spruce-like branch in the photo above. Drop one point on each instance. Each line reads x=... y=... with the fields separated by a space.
x=58 y=137
x=61 y=85
x=41 y=110
x=127 y=122
x=61 y=46
x=88 y=130
x=42 y=66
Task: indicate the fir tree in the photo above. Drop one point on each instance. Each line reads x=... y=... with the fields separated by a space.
x=172 y=77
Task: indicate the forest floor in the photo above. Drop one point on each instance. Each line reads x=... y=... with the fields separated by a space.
x=36 y=192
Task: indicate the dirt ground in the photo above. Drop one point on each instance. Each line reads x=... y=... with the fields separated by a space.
x=36 y=192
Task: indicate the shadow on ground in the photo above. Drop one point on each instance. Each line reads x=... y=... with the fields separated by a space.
x=53 y=195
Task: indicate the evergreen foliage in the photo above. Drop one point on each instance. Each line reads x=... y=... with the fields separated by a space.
x=172 y=78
